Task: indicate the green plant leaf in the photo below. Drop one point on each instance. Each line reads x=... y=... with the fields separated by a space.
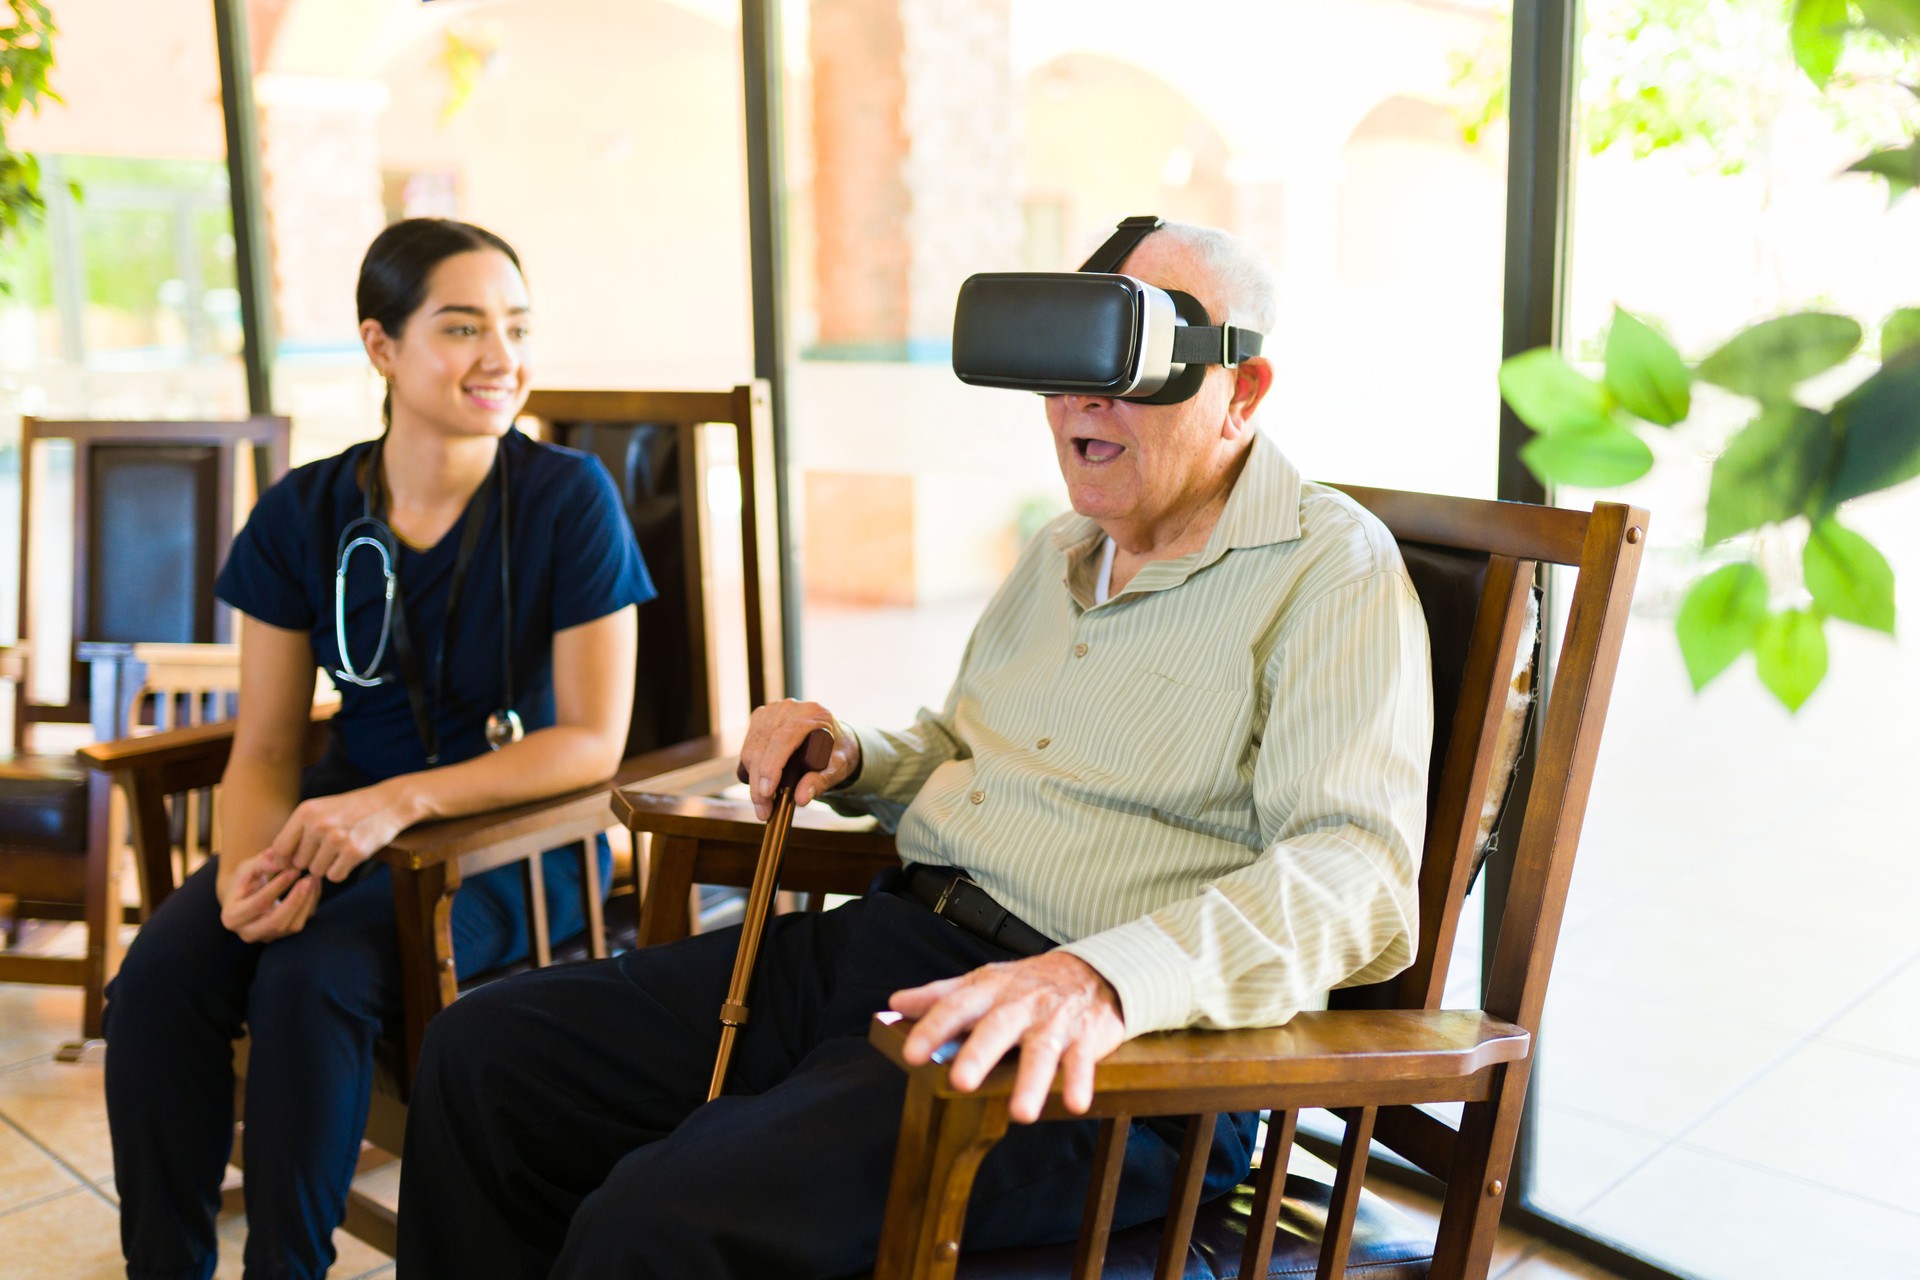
x=1644 y=372
x=1790 y=653
x=1769 y=471
x=1769 y=358
x=1849 y=578
x=1819 y=32
x=1719 y=618
x=1592 y=458
x=1879 y=427
x=1898 y=20
x=1899 y=331
x=1550 y=395
x=1900 y=166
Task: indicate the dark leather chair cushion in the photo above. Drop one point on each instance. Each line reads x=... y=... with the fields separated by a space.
x=43 y=804
x=1387 y=1245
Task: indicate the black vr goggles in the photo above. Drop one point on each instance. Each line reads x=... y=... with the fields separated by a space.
x=1091 y=332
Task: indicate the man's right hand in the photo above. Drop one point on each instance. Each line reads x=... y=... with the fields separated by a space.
x=267 y=899
x=775 y=733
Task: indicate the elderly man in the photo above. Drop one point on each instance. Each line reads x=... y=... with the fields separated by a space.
x=1187 y=743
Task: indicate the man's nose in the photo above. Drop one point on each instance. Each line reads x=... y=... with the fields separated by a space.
x=1077 y=403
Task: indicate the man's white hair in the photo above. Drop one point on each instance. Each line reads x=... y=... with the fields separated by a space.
x=1237 y=271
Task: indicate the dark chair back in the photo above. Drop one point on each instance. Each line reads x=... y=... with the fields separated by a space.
x=155 y=507
x=658 y=447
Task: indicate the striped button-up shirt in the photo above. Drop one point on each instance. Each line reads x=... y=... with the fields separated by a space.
x=1212 y=787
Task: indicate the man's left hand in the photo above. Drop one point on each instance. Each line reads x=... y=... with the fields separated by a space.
x=1056 y=1007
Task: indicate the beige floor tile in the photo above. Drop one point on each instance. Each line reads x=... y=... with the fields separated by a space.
x=27 y=1173
x=1727 y=964
x=1546 y=1263
x=1721 y=1220
x=382 y=1185
x=73 y=1237
x=35 y=1020
x=1576 y=1157
x=352 y=1260
x=1831 y=1115
x=1887 y=1020
x=1642 y=1064
x=61 y=1105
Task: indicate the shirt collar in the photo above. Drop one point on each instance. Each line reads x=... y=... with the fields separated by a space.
x=1263 y=508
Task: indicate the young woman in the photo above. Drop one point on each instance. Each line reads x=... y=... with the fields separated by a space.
x=471 y=592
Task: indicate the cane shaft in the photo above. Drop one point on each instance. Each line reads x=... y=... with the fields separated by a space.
x=753 y=924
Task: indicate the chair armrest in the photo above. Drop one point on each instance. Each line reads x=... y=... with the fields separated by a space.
x=482 y=841
x=184 y=759
x=1342 y=1058
x=825 y=853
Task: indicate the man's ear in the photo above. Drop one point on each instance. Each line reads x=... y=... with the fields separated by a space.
x=373 y=336
x=1252 y=379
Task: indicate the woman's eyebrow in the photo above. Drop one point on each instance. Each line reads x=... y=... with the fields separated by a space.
x=462 y=308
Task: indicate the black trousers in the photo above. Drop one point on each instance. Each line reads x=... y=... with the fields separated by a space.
x=314 y=1003
x=559 y=1125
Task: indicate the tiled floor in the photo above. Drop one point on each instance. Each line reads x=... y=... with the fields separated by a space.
x=58 y=1214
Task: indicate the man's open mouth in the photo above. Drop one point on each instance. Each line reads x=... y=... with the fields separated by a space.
x=1092 y=450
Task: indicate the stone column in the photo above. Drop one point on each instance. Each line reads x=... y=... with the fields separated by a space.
x=320 y=169
x=917 y=167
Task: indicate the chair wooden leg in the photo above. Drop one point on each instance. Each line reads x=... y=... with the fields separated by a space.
x=1470 y=1215
x=103 y=911
x=590 y=906
x=1187 y=1182
x=1096 y=1223
x=666 y=910
x=423 y=905
x=533 y=880
x=942 y=1141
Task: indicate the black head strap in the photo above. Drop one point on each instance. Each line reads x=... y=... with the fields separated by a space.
x=1198 y=342
x=1131 y=231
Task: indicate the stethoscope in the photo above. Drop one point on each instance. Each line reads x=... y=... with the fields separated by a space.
x=370 y=529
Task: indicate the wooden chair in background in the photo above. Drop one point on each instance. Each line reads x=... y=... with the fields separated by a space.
x=660 y=450
x=1374 y=1058
x=154 y=506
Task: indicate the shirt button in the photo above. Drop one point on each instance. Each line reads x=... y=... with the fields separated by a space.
x=1044 y=743
x=1080 y=650
x=977 y=796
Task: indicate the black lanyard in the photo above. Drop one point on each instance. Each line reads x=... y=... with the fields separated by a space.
x=403 y=648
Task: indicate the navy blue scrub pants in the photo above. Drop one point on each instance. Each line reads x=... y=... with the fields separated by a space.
x=559 y=1128
x=313 y=1004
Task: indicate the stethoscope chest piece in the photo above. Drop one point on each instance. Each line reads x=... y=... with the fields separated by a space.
x=504 y=727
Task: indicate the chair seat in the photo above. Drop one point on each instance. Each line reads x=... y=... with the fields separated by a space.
x=43 y=804
x=1387 y=1244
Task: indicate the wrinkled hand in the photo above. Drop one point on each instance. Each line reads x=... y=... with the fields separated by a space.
x=1055 y=1007
x=267 y=899
x=331 y=835
x=774 y=734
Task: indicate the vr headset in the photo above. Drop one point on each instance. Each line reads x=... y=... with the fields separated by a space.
x=1092 y=331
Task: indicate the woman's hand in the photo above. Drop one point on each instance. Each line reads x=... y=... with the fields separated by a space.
x=331 y=835
x=267 y=899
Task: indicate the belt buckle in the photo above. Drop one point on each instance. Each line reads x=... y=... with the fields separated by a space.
x=946 y=895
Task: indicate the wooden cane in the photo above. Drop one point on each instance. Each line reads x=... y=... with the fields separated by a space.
x=814 y=755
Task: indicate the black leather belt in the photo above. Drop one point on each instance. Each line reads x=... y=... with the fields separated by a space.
x=964 y=904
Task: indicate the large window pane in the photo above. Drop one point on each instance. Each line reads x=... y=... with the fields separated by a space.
x=927 y=142
x=121 y=301
x=1739 y=973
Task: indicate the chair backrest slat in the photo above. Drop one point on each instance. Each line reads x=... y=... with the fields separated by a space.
x=657 y=448
x=155 y=507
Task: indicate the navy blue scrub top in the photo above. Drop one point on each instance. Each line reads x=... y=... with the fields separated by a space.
x=574 y=560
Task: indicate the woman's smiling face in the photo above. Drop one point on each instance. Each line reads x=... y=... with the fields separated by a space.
x=461 y=363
